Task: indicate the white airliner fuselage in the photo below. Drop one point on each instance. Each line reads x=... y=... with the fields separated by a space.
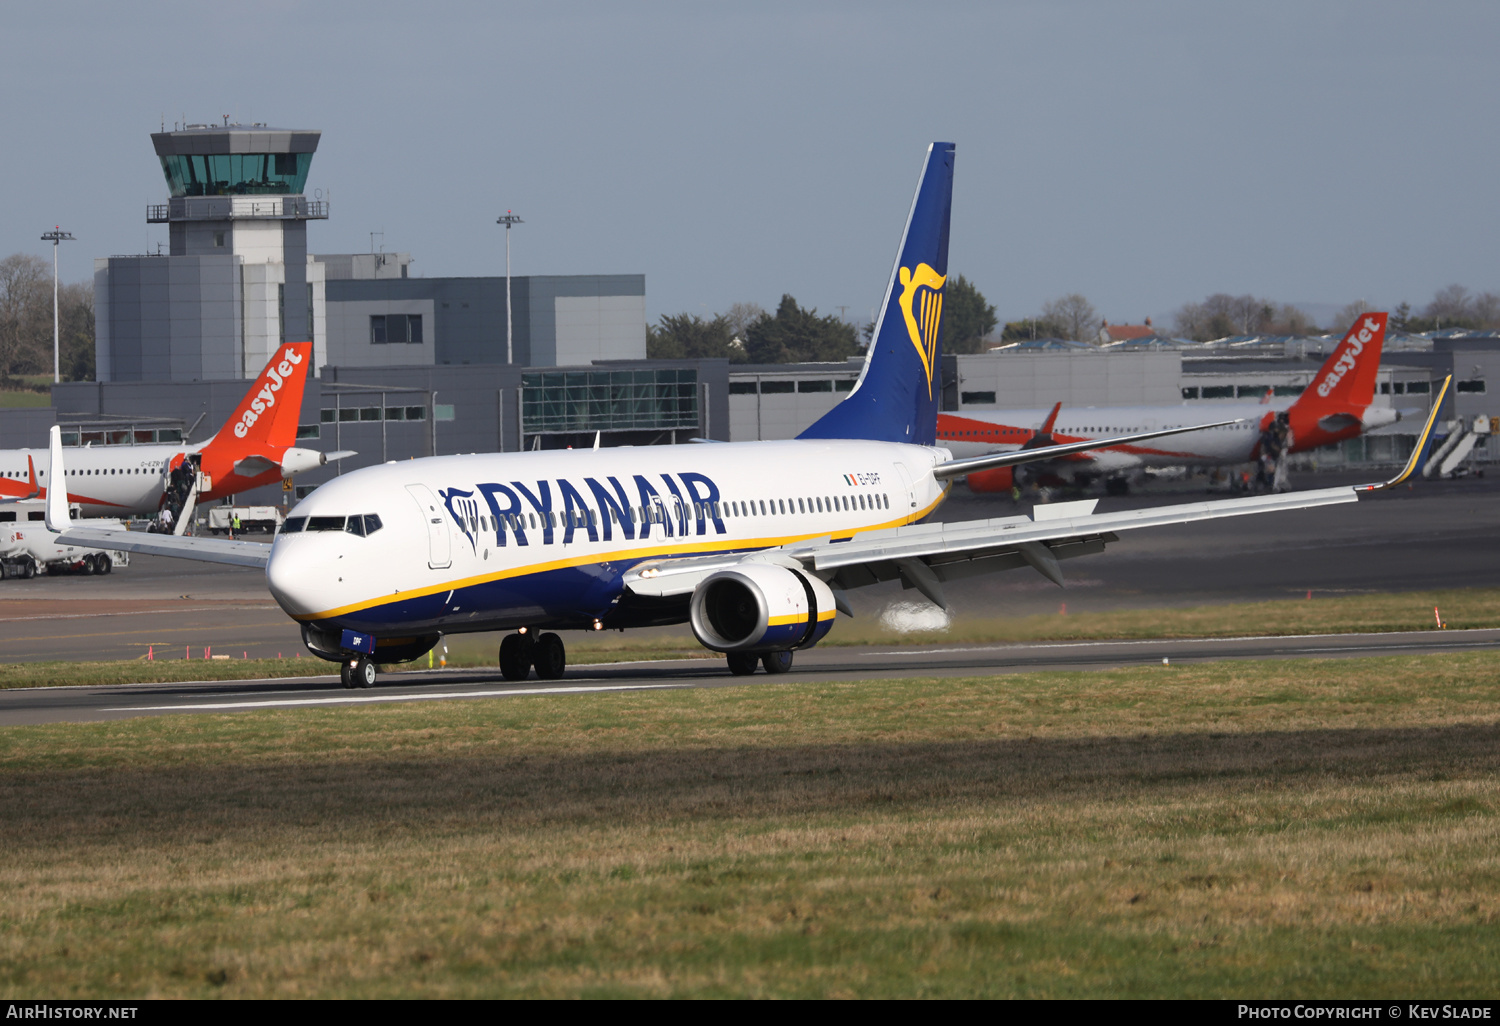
x=977 y=432
x=543 y=539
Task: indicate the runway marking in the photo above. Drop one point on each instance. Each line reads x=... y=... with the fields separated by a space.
x=1177 y=641
x=364 y=699
x=131 y=612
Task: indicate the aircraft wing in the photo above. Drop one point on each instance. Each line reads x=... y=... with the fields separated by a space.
x=925 y=555
x=204 y=550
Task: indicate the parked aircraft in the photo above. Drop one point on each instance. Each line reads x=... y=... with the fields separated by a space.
x=256 y=446
x=753 y=543
x=1339 y=404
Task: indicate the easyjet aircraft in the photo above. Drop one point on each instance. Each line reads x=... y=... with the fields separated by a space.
x=752 y=543
x=1338 y=405
x=255 y=447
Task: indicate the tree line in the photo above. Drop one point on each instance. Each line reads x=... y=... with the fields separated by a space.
x=26 y=321
x=1221 y=314
x=747 y=333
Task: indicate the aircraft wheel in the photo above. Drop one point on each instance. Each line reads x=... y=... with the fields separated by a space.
x=363 y=672
x=549 y=657
x=777 y=662
x=515 y=657
x=104 y=564
x=742 y=664
x=346 y=673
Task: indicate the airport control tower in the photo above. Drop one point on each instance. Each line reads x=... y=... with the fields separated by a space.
x=237 y=281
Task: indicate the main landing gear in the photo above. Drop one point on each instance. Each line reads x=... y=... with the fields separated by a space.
x=357 y=673
x=520 y=652
x=742 y=664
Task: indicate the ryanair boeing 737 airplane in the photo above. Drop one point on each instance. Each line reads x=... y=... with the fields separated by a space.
x=752 y=543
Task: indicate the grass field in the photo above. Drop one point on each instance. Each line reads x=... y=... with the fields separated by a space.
x=14 y=398
x=1295 y=829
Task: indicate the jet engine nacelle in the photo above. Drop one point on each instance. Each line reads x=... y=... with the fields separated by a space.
x=761 y=607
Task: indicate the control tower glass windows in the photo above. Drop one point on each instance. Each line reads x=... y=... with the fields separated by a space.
x=236 y=174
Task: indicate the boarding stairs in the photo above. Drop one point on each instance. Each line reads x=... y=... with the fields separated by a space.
x=185 y=515
x=1455 y=449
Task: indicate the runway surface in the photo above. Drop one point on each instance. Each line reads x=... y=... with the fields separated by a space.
x=80 y=704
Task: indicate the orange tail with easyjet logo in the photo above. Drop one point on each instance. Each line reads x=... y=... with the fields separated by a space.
x=1347 y=378
x=1334 y=406
x=267 y=417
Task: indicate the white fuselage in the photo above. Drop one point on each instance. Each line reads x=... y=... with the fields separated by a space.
x=1219 y=446
x=114 y=480
x=487 y=542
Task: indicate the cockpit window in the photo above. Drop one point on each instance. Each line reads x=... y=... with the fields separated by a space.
x=361 y=524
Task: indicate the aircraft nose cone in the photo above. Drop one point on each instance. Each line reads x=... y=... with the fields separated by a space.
x=297 y=580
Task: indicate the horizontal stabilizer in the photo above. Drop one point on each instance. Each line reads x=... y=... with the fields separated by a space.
x=251 y=466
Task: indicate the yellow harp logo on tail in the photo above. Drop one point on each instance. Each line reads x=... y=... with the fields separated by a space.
x=922 y=306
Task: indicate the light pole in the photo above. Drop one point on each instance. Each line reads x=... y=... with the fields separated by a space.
x=508 y=220
x=55 y=236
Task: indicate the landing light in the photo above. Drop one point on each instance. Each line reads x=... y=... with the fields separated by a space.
x=598 y=626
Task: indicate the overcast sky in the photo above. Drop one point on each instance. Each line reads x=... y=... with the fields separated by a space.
x=1143 y=154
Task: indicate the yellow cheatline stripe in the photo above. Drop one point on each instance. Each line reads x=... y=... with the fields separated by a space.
x=749 y=545
x=1416 y=453
x=781 y=621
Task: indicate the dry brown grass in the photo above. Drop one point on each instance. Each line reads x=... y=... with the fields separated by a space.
x=1299 y=829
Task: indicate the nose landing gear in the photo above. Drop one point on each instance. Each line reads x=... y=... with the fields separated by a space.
x=357 y=673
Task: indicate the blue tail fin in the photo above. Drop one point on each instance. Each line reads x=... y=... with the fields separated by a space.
x=897 y=395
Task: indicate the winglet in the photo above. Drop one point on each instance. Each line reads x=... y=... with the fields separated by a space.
x=57 y=518
x=1420 y=449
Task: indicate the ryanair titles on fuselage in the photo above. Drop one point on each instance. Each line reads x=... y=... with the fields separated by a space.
x=556 y=510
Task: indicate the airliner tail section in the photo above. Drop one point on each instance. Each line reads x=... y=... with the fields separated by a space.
x=267 y=416
x=896 y=398
x=1347 y=378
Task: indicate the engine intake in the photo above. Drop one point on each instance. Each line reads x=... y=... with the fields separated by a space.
x=761 y=607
